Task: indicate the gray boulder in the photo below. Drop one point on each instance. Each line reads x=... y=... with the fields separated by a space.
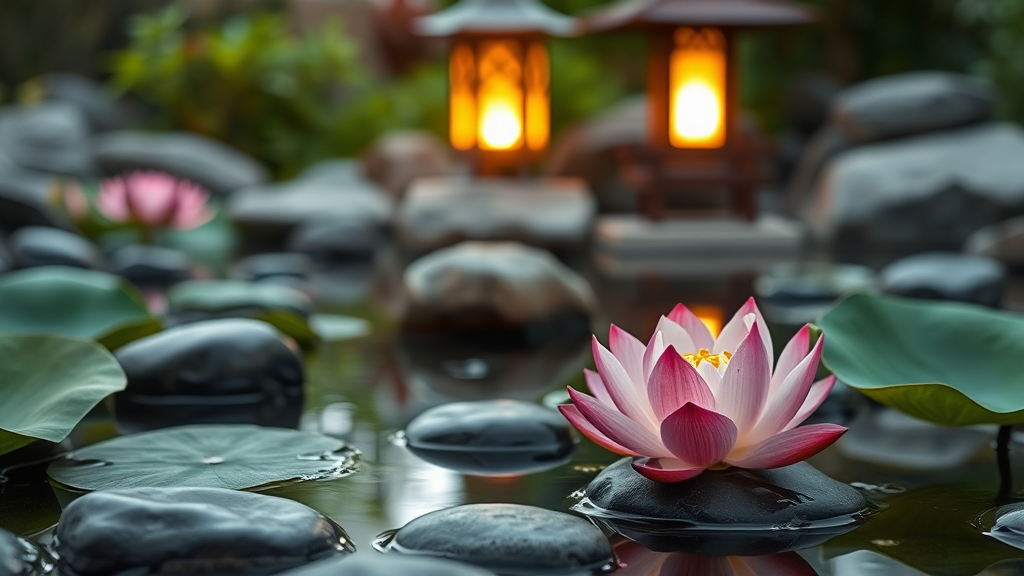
x=925 y=192
x=52 y=138
x=1003 y=241
x=268 y=214
x=209 y=163
x=399 y=158
x=909 y=104
x=483 y=286
x=945 y=276
x=554 y=213
x=101 y=110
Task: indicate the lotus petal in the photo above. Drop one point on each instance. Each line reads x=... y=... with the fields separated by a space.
x=698 y=436
x=621 y=388
x=815 y=398
x=735 y=331
x=666 y=469
x=745 y=382
x=788 y=447
x=673 y=383
x=630 y=353
x=597 y=387
x=576 y=418
x=794 y=352
x=697 y=330
x=617 y=427
x=789 y=398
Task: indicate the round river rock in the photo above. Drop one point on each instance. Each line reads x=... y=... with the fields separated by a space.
x=192 y=530
x=381 y=565
x=230 y=371
x=493 y=437
x=750 y=504
x=17 y=557
x=508 y=539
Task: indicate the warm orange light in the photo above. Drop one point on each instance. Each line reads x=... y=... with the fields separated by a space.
x=711 y=316
x=500 y=95
x=697 y=89
x=462 y=102
x=538 y=109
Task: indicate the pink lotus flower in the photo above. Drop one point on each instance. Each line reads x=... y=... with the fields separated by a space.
x=639 y=561
x=687 y=402
x=154 y=200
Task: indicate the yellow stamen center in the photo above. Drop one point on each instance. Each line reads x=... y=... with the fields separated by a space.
x=705 y=355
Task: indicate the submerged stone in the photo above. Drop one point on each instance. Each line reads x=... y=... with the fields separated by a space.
x=235 y=299
x=152 y=266
x=17 y=557
x=508 y=539
x=763 y=511
x=35 y=246
x=380 y=565
x=947 y=276
x=274 y=265
x=216 y=371
x=145 y=531
x=494 y=437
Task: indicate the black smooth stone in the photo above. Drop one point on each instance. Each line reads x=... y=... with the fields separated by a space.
x=17 y=557
x=230 y=367
x=192 y=530
x=508 y=539
x=493 y=437
x=263 y=266
x=727 y=512
x=151 y=266
x=34 y=246
x=388 y=565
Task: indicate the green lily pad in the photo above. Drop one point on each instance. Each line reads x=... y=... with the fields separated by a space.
x=935 y=530
x=950 y=364
x=74 y=302
x=286 y=308
x=231 y=456
x=48 y=384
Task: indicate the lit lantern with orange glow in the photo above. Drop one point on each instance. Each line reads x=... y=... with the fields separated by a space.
x=499 y=103
x=692 y=81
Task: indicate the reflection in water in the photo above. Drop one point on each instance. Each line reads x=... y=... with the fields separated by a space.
x=416 y=488
x=135 y=414
x=639 y=561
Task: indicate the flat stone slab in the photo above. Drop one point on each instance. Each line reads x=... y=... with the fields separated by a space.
x=551 y=213
x=630 y=245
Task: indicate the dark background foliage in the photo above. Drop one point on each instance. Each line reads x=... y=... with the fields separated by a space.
x=232 y=70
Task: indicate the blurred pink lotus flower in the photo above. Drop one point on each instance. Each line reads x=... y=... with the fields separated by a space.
x=687 y=402
x=154 y=200
x=639 y=561
x=75 y=201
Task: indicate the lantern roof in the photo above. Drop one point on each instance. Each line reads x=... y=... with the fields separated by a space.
x=496 y=16
x=632 y=14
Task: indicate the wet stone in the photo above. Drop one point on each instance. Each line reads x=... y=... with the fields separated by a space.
x=380 y=565
x=946 y=276
x=35 y=246
x=151 y=266
x=334 y=240
x=508 y=539
x=497 y=288
x=235 y=299
x=752 y=505
x=494 y=437
x=145 y=531
x=212 y=372
x=277 y=265
x=17 y=557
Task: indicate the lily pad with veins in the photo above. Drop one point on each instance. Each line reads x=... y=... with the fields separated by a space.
x=235 y=457
x=48 y=384
x=946 y=363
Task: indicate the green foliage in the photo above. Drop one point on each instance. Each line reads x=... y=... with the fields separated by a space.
x=1003 y=24
x=950 y=364
x=74 y=302
x=48 y=384
x=230 y=456
x=248 y=82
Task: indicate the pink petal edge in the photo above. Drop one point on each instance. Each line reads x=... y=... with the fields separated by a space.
x=815 y=398
x=617 y=427
x=698 y=332
x=656 y=469
x=674 y=382
x=621 y=389
x=576 y=418
x=796 y=350
x=744 y=388
x=698 y=436
x=789 y=447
